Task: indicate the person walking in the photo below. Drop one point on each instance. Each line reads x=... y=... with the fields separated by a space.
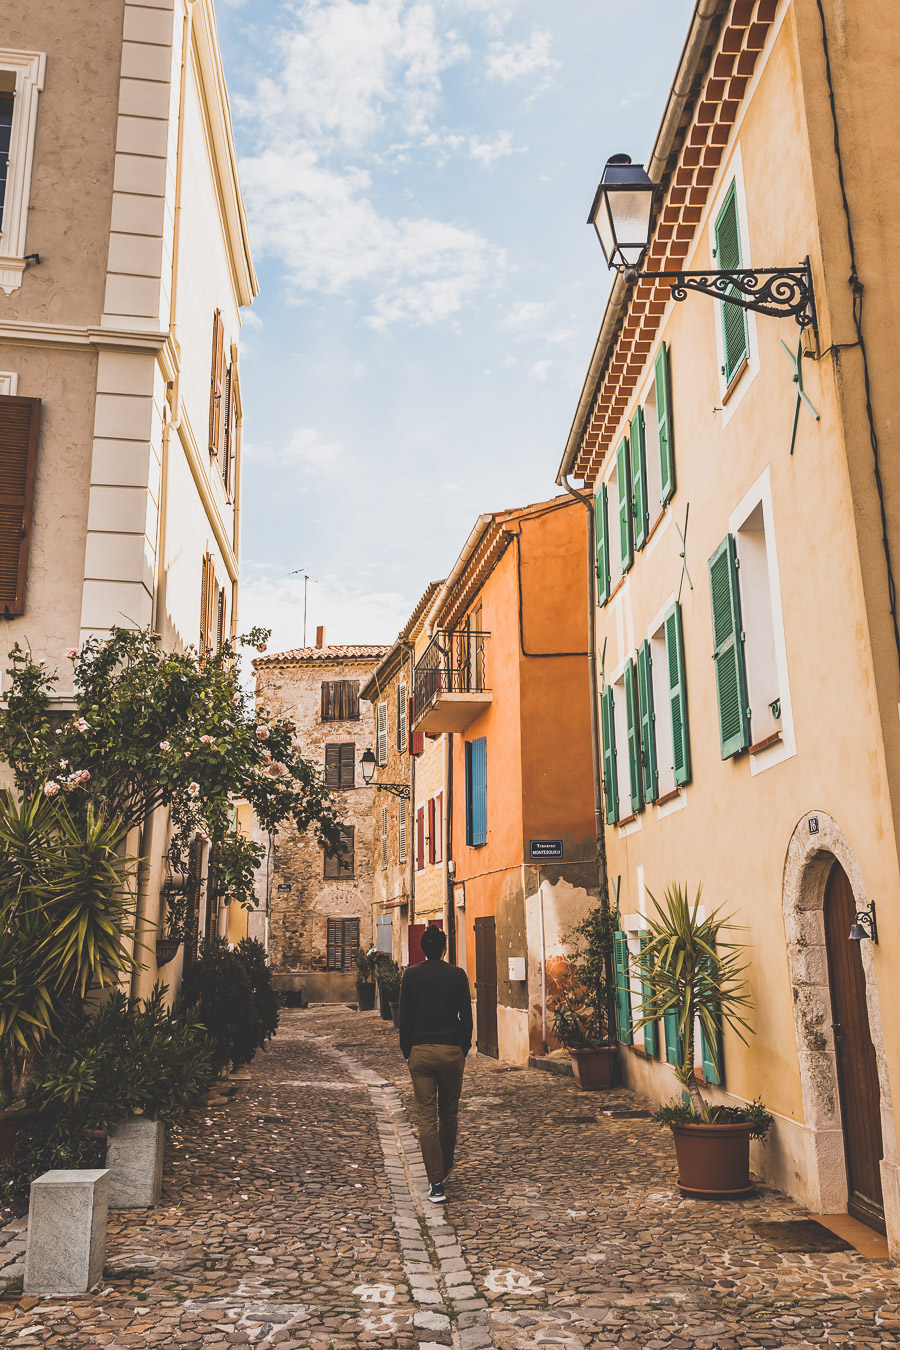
x=435 y=1037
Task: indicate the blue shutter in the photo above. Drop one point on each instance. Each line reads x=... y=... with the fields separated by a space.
x=651 y=1036
x=478 y=761
x=623 y=987
x=610 y=786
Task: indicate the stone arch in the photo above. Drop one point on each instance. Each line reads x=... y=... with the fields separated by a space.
x=816 y=843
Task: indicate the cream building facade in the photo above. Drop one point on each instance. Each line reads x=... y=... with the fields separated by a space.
x=744 y=482
x=124 y=264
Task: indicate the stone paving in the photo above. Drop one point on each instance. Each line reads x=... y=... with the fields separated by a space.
x=293 y=1216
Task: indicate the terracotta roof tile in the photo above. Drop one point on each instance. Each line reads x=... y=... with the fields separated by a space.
x=357 y=651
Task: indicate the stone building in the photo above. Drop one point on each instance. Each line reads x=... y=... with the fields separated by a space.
x=319 y=908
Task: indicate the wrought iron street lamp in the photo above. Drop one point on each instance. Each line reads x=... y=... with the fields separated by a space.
x=622 y=215
x=367 y=763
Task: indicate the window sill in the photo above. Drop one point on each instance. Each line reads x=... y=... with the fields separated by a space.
x=668 y=796
x=766 y=741
x=735 y=379
x=626 y=820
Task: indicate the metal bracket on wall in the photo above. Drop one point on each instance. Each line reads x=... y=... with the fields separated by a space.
x=796 y=362
x=682 y=535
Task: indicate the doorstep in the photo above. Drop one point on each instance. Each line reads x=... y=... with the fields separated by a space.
x=561 y=1064
x=866 y=1240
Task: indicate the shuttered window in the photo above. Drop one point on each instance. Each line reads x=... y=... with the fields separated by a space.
x=402 y=721
x=647 y=720
x=439 y=827
x=229 y=446
x=384 y=835
x=633 y=728
x=416 y=738
x=476 y=792
x=681 y=749
x=623 y=987
x=402 y=832
x=210 y=614
x=623 y=491
x=342 y=866
x=663 y=392
x=340 y=766
x=381 y=734
x=220 y=620
x=420 y=838
x=342 y=944
x=651 y=1034
x=728 y=643
x=601 y=539
x=673 y=1040
x=639 y=501
x=19 y=428
x=340 y=700
x=217 y=386
x=735 y=339
x=610 y=784
x=431 y=855
x=711 y=1057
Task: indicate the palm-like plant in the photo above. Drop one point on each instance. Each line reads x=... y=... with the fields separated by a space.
x=692 y=974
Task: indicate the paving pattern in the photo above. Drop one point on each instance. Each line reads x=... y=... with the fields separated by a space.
x=293 y=1216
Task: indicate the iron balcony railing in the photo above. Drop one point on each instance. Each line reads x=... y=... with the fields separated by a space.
x=452 y=663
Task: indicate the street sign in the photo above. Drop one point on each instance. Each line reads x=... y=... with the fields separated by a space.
x=283 y=886
x=544 y=850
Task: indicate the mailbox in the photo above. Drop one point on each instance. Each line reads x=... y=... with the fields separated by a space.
x=517 y=967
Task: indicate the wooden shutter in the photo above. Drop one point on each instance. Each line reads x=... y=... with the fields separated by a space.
x=633 y=727
x=735 y=338
x=402 y=841
x=664 y=425
x=347 y=761
x=333 y=945
x=348 y=852
x=681 y=750
x=431 y=830
x=610 y=786
x=649 y=767
x=711 y=1056
x=623 y=987
x=639 y=480
x=420 y=838
x=439 y=828
x=728 y=640
x=216 y=393
x=209 y=594
x=651 y=1035
x=384 y=835
x=20 y=420
x=416 y=738
x=601 y=538
x=349 y=943
x=381 y=734
x=674 y=1048
x=349 y=695
x=623 y=488
x=232 y=399
x=332 y=766
x=402 y=721
x=220 y=620
x=479 y=791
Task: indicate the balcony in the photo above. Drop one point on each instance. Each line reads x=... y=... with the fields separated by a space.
x=449 y=687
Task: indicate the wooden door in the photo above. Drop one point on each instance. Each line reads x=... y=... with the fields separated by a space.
x=857 y=1069
x=486 y=987
x=416 y=955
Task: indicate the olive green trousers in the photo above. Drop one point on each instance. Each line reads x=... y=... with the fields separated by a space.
x=437 y=1075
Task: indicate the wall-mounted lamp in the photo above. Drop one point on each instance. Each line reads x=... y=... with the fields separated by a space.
x=864 y=925
x=367 y=763
x=622 y=215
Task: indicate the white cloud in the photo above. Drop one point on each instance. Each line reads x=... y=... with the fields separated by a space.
x=486 y=152
x=524 y=315
x=349 y=614
x=539 y=370
x=307 y=449
x=520 y=60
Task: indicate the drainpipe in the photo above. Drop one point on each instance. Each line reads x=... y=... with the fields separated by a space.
x=447 y=827
x=411 y=823
x=543 y=968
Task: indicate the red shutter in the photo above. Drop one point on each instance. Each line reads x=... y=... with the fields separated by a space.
x=431 y=829
x=438 y=833
x=420 y=838
x=416 y=738
x=20 y=420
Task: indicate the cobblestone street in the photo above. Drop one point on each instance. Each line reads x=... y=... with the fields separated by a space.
x=293 y=1216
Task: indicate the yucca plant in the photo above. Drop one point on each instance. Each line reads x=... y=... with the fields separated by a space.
x=693 y=974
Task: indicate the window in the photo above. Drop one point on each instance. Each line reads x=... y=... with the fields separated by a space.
x=601 y=544
x=217 y=385
x=230 y=425
x=664 y=719
x=340 y=765
x=340 y=700
x=623 y=765
x=651 y=1035
x=476 y=792
x=21 y=80
x=381 y=734
x=735 y=337
x=659 y=419
x=623 y=987
x=633 y=737
x=610 y=778
x=212 y=616
x=639 y=495
x=402 y=722
x=384 y=835
x=342 y=944
x=342 y=866
x=402 y=843
x=420 y=838
x=416 y=738
x=728 y=654
x=763 y=692
x=623 y=499
x=437 y=832
x=20 y=420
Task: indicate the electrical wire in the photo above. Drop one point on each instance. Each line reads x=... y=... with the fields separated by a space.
x=856 y=287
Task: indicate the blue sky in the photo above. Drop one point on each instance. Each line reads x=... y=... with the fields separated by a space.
x=417 y=175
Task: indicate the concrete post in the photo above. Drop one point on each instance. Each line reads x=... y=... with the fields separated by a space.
x=134 y=1156
x=66 y=1244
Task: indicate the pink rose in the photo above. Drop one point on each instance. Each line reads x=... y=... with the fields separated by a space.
x=235 y=700
x=164 y=745
x=71 y=652
x=262 y=733
x=208 y=740
x=51 y=788
x=193 y=789
x=82 y=725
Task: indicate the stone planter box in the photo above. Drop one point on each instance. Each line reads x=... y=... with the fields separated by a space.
x=66 y=1244
x=134 y=1157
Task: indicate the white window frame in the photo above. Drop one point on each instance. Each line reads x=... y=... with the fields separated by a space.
x=734 y=174
x=9 y=382
x=29 y=69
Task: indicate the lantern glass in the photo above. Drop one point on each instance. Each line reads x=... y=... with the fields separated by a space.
x=367 y=764
x=622 y=211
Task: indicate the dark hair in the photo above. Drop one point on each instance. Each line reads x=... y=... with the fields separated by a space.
x=434 y=940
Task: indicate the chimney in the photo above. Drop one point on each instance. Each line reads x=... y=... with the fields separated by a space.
x=320 y=636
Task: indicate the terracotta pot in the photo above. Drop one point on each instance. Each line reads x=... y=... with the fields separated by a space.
x=395 y=1014
x=713 y=1161
x=593 y=1069
x=365 y=996
x=166 y=950
x=11 y=1125
x=384 y=1006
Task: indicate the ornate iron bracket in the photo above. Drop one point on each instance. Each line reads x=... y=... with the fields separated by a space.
x=782 y=292
x=864 y=925
x=395 y=789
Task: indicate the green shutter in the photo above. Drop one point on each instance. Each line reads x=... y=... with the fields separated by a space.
x=651 y=1036
x=664 y=425
x=610 y=789
x=632 y=722
x=601 y=538
x=639 y=480
x=623 y=987
x=673 y=1040
x=649 y=771
x=731 y=680
x=623 y=487
x=681 y=749
x=711 y=1057
x=728 y=256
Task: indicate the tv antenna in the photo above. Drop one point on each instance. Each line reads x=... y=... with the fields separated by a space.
x=301 y=572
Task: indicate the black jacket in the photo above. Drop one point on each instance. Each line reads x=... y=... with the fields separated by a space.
x=435 y=1007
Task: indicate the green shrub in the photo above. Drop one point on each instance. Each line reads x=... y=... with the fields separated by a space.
x=389 y=976
x=684 y=1113
x=219 y=990
x=256 y=963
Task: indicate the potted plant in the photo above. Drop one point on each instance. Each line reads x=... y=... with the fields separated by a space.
x=583 y=1017
x=389 y=977
x=695 y=978
x=365 y=979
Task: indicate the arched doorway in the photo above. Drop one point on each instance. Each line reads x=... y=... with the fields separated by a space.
x=857 y=1069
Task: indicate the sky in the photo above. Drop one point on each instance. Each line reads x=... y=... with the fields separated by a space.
x=417 y=176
